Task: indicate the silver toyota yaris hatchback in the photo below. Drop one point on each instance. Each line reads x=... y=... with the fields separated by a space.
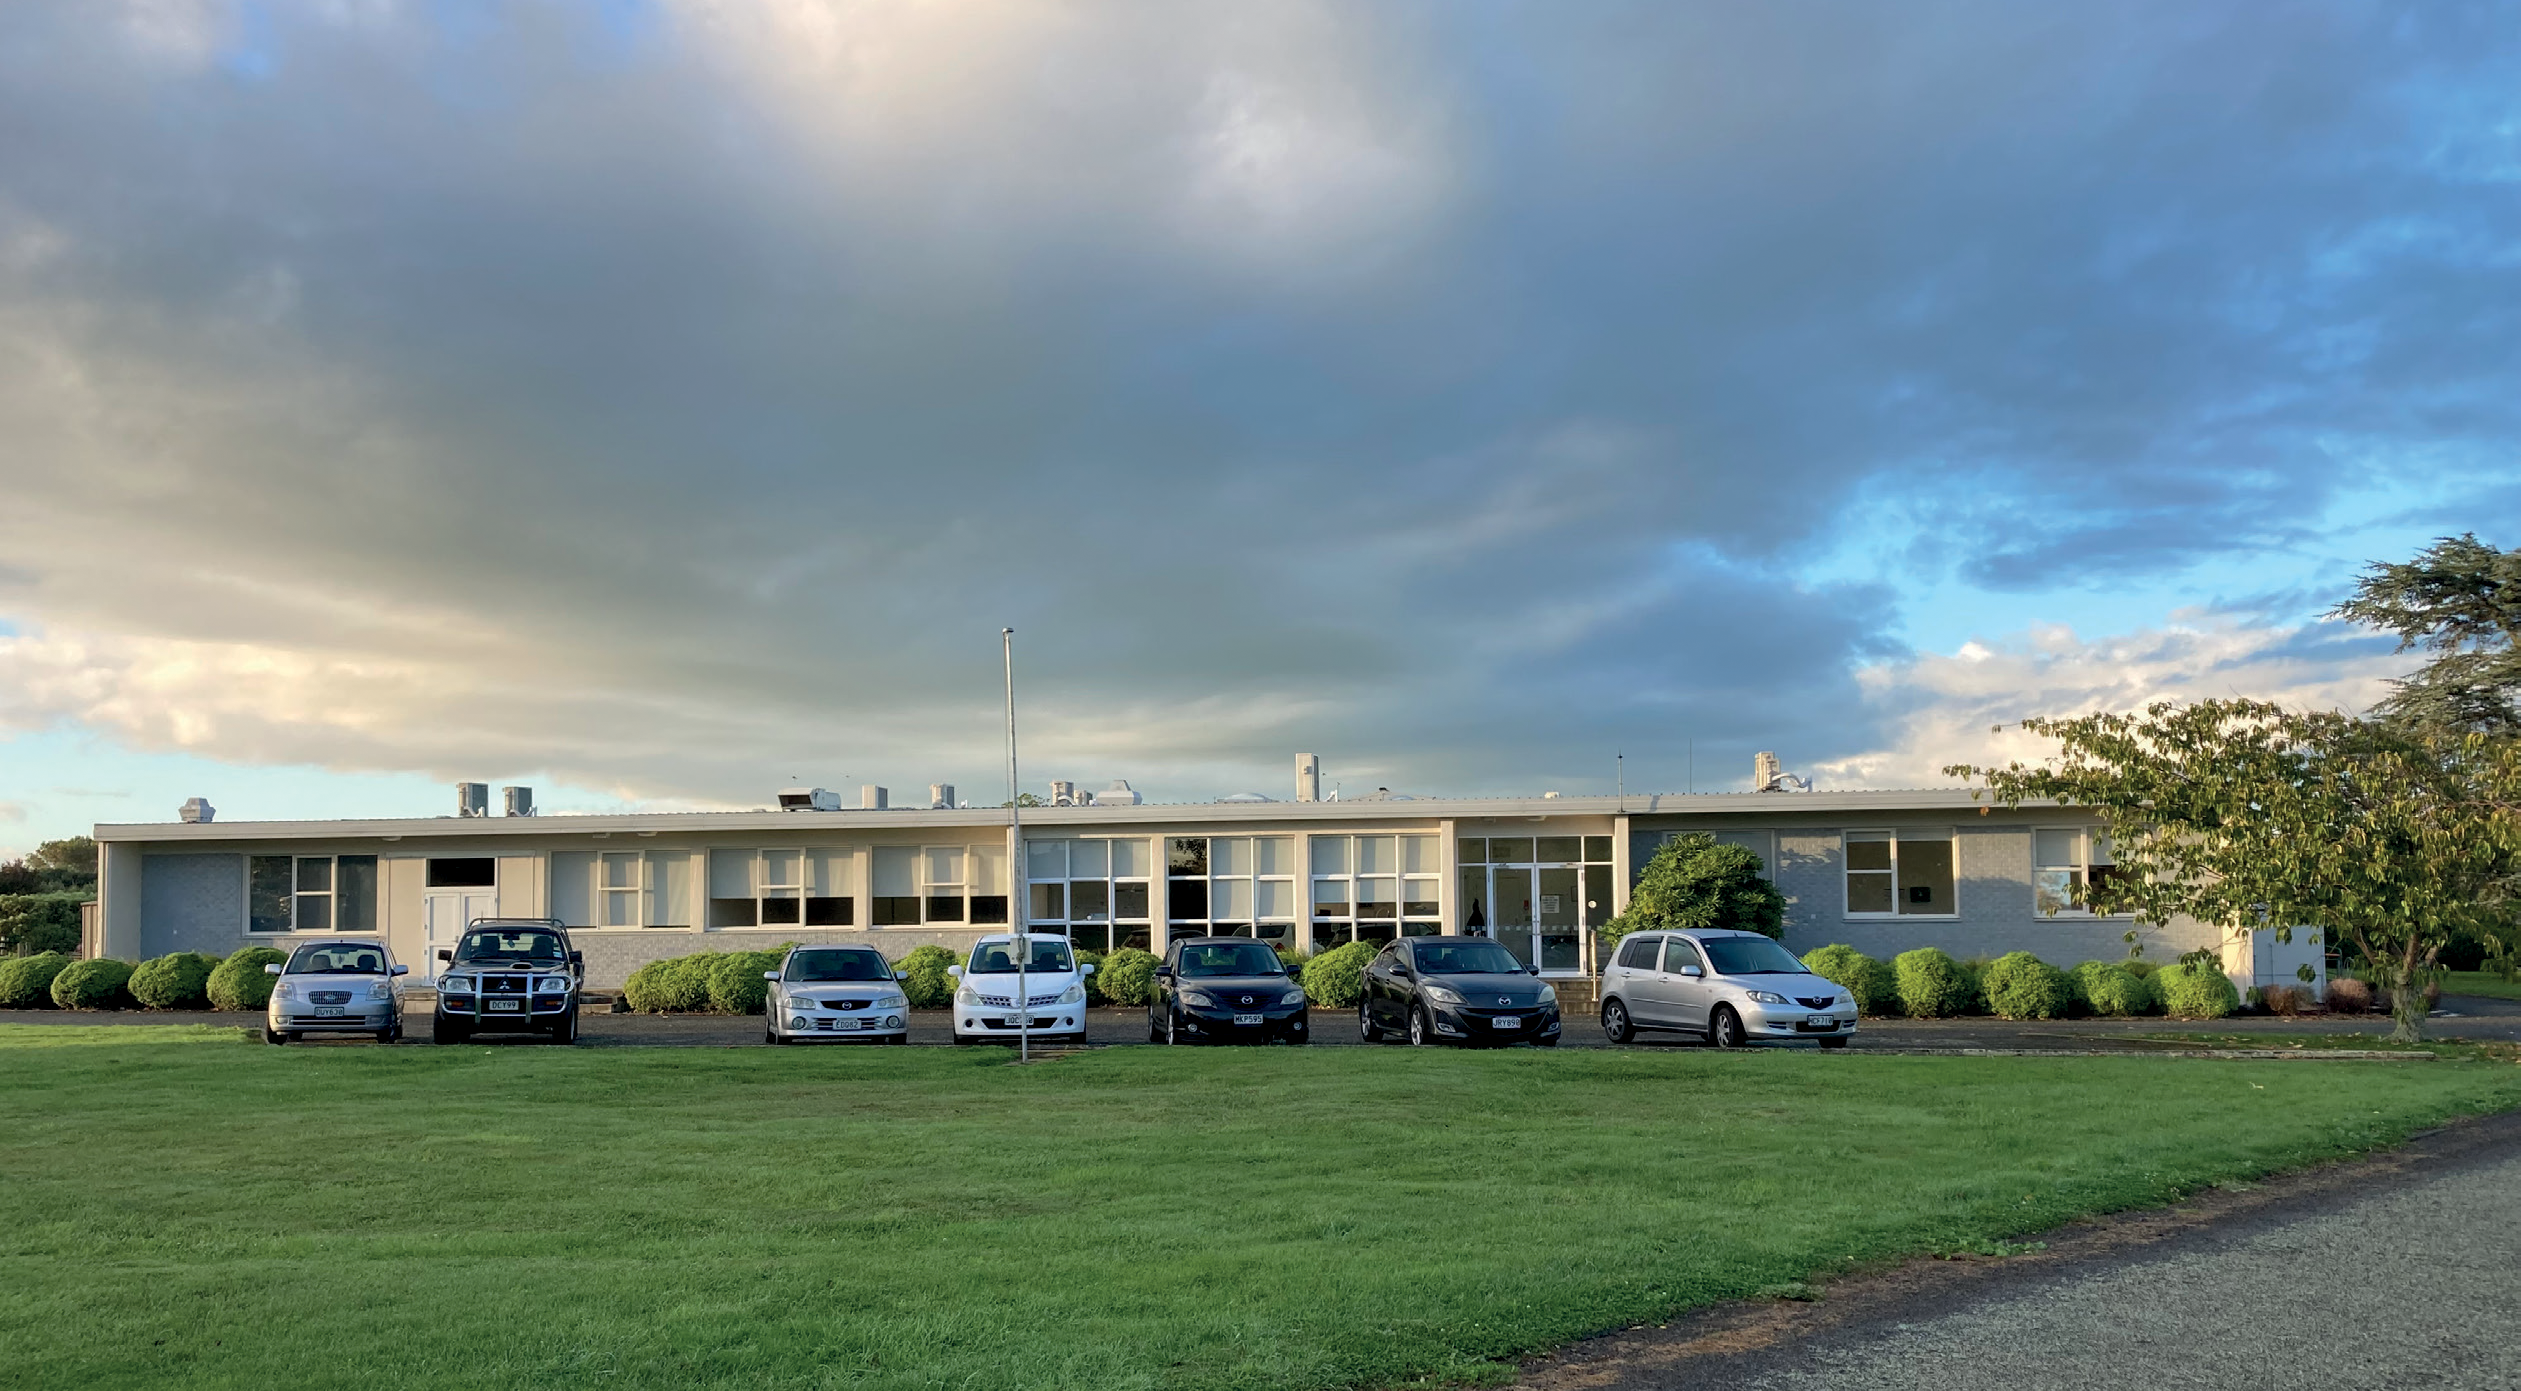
x=335 y=988
x=1731 y=988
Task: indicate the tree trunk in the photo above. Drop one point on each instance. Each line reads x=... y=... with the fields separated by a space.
x=2407 y=999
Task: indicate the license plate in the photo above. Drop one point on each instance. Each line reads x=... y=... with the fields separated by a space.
x=328 y=1011
x=1508 y=1022
x=1821 y=1026
x=509 y=1005
x=843 y=1025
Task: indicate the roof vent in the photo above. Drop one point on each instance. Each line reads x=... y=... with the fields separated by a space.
x=872 y=798
x=517 y=801
x=197 y=811
x=1119 y=794
x=808 y=799
x=940 y=796
x=1308 y=778
x=1064 y=794
x=472 y=799
x=1769 y=775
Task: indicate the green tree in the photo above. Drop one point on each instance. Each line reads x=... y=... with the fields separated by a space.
x=32 y=924
x=2459 y=599
x=55 y=867
x=1692 y=883
x=2244 y=815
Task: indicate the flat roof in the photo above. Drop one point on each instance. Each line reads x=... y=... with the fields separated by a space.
x=1750 y=805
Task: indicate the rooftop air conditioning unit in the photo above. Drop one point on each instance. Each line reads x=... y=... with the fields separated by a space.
x=941 y=796
x=1064 y=794
x=197 y=811
x=808 y=799
x=517 y=801
x=1119 y=794
x=472 y=799
x=872 y=798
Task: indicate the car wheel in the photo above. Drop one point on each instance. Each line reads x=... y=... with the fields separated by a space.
x=1172 y=1028
x=1724 y=1029
x=1549 y=1042
x=1155 y=1031
x=445 y=1030
x=1833 y=1043
x=1367 y=1029
x=385 y=1036
x=272 y=1036
x=899 y=1040
x=1615 y=1025
x=1419 y=1030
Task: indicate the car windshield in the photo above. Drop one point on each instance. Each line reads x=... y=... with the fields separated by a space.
x=337 y=959
x=1751 y=956
x=510 y=944
x=1469 y=957
x=849 y=963
x=1231 y=959
x=998 y=958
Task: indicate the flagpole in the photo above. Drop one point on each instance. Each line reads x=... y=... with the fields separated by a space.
x=1015 y=866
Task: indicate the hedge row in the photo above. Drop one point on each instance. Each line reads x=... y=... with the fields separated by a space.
x=182 y=980
x=1929 y=984
x=712 y=982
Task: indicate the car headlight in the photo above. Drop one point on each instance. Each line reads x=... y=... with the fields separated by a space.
x=1765 y=997
x=967 y=996
x=1292 y=997
x=455 y=985
x=1073 y=995
x=1549 y=993
x=284 y=991
x=1440 y=995
x=548 y=984
x=379 y=991
x=1198 y=999
x=892 y=1002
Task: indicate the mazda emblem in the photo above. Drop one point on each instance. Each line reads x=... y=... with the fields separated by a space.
x=1505 y=999
x=1247 y=999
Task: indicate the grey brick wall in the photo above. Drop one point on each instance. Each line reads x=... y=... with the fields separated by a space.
x=192 y=903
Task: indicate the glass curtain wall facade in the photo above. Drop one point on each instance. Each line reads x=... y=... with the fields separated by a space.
x=1095 y=891
x=1231 y=886
x=1373 y=888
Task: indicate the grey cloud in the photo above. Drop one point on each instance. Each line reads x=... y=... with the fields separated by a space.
x=1460 y=387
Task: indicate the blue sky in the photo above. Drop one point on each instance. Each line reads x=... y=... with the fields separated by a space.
x=661 y=402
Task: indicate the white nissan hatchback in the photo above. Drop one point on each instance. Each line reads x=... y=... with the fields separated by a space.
x=985 y=1006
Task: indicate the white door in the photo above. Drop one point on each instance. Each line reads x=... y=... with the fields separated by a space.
x=446 y=912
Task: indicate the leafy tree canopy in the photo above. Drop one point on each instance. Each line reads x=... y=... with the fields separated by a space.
x=56 y=866
x=2245 y=815
x=2461 y=600
x=1692 y=883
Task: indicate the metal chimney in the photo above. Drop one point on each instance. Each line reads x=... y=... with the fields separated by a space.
x=1764 y=770
x=940 y=796
x=517 y=801
x=1308 y=778
x=472 y=799
x=1063 y=793
x=197 y=811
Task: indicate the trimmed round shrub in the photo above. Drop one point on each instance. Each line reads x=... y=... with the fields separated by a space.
x=1128 y=976
x=1876 y=989
x=26 y=982
x=1335 y=978
x=1094 y=982
x=1931 y=984
x=2143 y=970
x=99 y=982
x=240 y=983
x=2108 y=987
x=923 y=976
x=2021 y=986
x=735 y=980
x=180 y=980
x=642 y=991
x=2196 y=992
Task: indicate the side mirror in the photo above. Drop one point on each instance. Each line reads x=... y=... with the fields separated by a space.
x=1295 y=972
x=1085 y=968
x=1693 y=972
x=271 y=968
x=577 y=958
x=770 y=975
x=402 y=970
x=954 y=971
x=1164 y=973
x=445 y=955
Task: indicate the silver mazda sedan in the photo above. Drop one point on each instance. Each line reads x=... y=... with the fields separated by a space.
x=335 y=988
x=1730 y=988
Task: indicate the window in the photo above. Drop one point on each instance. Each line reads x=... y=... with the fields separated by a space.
x=1232 y=886
x=1375 y=888
x=1905 y=874
x=896 y=886
x=987 y=868
x=1678 y=955
x=470 y=872
x=1536 y=894
x=2067 y=863
x=1094 y=891
x=787 y=886
x=1637 y=953
x=310 y=893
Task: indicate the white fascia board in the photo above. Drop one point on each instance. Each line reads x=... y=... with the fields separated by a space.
x=1153 y=817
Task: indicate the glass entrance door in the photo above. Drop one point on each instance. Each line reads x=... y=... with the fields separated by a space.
x=1510 y=900
x=1562 y=941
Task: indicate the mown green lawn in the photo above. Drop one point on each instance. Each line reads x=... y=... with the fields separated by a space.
x=2486 y=983
x=178 y=1208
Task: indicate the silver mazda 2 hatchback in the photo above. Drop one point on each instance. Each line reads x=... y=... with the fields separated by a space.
x=1730 y=988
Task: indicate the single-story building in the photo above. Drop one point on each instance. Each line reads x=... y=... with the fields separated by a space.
x=1881 y=871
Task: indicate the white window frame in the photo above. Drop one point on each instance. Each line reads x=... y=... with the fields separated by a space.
x=1397 y=874
x=1895 y=836
x=330 y=894
x=2081 y=869
x=1110 y=922
x=757 y=880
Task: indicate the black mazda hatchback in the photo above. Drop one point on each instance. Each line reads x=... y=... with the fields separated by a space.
x=1225 y=990
x=1455 y=990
